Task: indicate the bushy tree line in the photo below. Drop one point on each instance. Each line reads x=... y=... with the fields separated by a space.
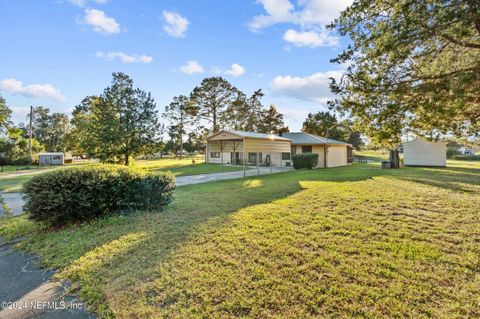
x=413 y=66
x=123 y=122
x=326 y=124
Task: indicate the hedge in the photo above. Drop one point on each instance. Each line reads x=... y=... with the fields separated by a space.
x=81 y=193
x=466 y=157
x=305 y=160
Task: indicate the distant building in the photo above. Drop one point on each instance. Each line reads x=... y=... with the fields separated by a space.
x=466 y=151
x=51 y=158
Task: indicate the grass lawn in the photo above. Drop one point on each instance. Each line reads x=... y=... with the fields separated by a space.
x=185 y=166
x=330 y=243
x=178 y=167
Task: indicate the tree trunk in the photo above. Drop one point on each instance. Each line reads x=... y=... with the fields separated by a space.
x=127 y=156
x=181 y=144
x=215 y=129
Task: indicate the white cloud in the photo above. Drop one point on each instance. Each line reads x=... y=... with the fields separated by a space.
x=235 y=70
x=314 y=87
x=278 y=11
x=306 y=13
x=175 y=25
x=83 y=3
x=100 y=22
x=311 y=39
x=15 y=86
x=310 y=15
x=125 y=58
x=192 y=67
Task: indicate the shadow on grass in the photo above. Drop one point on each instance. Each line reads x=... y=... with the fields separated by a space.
x=75 y=249
x=194 y=207
x=457 y=179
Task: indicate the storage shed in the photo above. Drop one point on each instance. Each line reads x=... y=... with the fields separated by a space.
x=51 y=158
x=420 y=152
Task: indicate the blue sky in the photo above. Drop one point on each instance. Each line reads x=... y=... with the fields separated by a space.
x=55 y=52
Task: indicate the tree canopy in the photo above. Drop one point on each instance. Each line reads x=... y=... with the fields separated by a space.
x=5 y=113
x=413 y=65
x=119 y=124
x=50 y=129
x=327 y=125
x=180 y=113
x=212 y=98
x=272 y=121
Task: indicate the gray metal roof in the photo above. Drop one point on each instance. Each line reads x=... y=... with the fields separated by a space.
x=301 y=138
x=254 y=135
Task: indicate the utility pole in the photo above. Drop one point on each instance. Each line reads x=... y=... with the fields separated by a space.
x=30 y=136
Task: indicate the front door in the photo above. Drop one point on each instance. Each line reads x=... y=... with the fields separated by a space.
x=235 y=158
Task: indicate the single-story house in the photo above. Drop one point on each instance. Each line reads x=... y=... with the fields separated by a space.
x=51 y=158
x=466 y=151
x=331 y=153
x=420 y=152
x=229 y=147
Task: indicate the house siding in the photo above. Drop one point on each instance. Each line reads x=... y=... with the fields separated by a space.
x=420 y=152
x=337 y=156
x=320 y=150
x=266 y=146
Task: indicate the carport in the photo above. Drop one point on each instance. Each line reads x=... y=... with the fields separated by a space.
x=248 y=149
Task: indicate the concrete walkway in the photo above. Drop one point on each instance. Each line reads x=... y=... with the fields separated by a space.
x=205 y=178
x=27 y=292
x=14 y=202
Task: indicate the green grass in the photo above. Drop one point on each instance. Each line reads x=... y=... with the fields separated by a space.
x=13 y=184
x=372 y=155
x=10 y=183
x=347 y=242
x=185 y=166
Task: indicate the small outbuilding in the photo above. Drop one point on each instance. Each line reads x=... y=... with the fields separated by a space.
x=51 y=159
x=420 y=152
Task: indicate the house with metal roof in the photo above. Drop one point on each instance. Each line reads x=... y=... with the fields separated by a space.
x=331 y=153
x=247 y=148
x=251 y=148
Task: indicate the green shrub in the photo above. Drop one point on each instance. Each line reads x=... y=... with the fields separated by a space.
x=466 y=157
x=305 y=160
x=82 y=193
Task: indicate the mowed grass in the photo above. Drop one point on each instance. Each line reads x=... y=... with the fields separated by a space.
x=185 y=166
x=330 y=243
x=9 y=183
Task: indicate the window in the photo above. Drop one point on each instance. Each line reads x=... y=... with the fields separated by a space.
x=215 y=154
x=252 y=158
x=349 y=154
x=285 y=156
x=306 y=148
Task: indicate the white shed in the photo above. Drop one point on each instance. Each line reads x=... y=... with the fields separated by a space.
x=420 y=152
x=51 y=158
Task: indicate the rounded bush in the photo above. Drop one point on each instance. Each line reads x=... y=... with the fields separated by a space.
x=81 y=193
x=305 y=160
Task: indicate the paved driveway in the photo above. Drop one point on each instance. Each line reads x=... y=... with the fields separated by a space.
x=27 y=292
x=205 y=178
